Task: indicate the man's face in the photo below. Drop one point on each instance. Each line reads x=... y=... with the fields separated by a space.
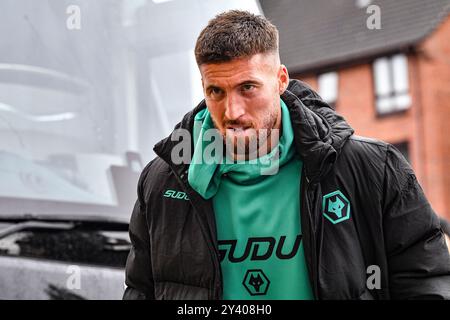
x=243 y=97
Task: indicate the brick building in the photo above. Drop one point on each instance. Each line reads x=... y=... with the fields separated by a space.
x=391 y=83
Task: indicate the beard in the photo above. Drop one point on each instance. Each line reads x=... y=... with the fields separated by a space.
x=255 y=141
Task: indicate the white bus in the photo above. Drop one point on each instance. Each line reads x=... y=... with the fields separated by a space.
x=86 y=89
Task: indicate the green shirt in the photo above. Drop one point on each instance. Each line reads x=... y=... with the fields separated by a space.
x=258 y=220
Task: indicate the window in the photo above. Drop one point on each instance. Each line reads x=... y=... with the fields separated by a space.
x=391 y=84
x=80 y=110
x=328 y=87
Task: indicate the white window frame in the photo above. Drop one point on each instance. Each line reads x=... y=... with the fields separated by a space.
x=328 y=84
x=391 y=84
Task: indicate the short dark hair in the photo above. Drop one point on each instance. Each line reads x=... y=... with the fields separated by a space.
x=235 y=34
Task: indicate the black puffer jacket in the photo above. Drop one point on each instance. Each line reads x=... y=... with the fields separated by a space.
x=384 y=219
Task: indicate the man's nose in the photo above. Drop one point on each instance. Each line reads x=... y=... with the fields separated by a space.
x=234 y=108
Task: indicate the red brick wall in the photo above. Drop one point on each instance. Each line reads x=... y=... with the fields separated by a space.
x=423 y=125
x=434 y=66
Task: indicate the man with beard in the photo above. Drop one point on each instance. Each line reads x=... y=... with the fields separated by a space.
x=297 y=208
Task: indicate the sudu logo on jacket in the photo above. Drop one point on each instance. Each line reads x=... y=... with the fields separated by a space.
x=174 y=194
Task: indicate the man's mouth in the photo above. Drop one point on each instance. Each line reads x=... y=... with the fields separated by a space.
x=237 y=129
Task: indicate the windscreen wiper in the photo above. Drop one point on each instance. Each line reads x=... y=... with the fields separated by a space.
x=36 y=225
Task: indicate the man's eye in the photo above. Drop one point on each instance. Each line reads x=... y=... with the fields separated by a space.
x=248 y=87
x=216 y=91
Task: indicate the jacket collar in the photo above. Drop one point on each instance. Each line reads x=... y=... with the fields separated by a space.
x=319 y=132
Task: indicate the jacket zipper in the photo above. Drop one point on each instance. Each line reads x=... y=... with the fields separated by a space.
x=214 y=255
x=312 y=238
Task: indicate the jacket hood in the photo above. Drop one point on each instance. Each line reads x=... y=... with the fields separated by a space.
x=319 y=132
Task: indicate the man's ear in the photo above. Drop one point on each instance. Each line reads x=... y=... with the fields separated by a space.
x=283 y=79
